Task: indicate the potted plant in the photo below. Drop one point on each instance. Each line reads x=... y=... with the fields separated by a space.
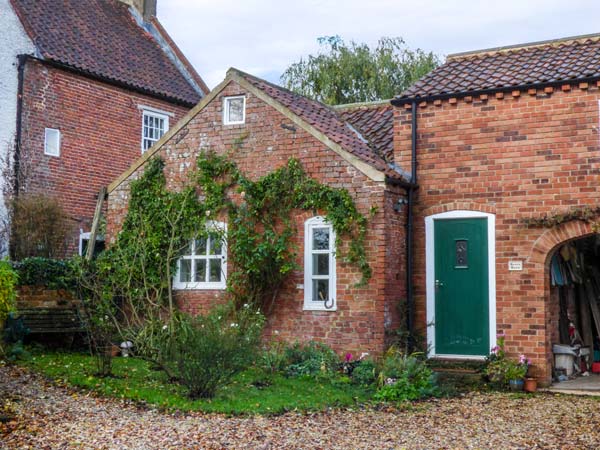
x=503 y=371
x=515 y=374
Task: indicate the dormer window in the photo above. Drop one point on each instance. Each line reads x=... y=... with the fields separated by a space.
x=234 y=110
x=154 y=125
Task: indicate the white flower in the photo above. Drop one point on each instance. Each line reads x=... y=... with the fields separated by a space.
x=276 y=332
x=246 y=305
x=233 y=325
x=243 y=194
x=207 y=213
x=390 y=381
x=363 y=355
x=164 y=327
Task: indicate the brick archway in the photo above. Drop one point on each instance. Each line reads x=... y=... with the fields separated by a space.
x=541 y=253
x=549 y=240
x=455 y=206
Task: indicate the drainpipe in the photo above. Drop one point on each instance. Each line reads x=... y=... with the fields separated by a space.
x=22 y=59
x=410 y=299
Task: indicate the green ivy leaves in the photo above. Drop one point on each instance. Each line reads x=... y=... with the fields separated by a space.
x=261 y=228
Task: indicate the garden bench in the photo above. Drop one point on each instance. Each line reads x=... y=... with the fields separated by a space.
x=66 y=320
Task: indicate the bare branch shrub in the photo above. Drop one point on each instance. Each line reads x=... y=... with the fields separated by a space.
x=39 y=227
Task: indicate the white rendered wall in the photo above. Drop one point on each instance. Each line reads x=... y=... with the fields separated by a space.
x=14 y=42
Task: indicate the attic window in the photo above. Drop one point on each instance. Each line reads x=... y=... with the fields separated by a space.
x=52 y=142
x=234 y=110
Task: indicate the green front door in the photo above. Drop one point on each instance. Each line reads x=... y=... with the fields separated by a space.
x=461 y=287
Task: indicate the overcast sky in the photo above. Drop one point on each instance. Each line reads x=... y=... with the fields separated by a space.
x=264 y=36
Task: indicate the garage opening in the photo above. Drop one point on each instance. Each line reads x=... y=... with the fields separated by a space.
x=575 y=328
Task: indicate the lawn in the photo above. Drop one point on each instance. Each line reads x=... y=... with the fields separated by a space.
x=251 y=392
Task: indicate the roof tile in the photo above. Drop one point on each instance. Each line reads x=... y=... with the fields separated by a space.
x=557 y=61
x=101 y=37
x=327 y=121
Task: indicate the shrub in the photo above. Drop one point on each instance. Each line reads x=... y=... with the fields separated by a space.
x=40 y=227
x=207 y=351
x=8 y=293
x=273 y=359
x=47 y=272
x=404 y=378
x=364 y=373
x=310 y=359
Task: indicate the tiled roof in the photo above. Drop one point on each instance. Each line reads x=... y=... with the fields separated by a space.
x=375 y=122
x=557 y=61
x=102 y=38
x=327 y=121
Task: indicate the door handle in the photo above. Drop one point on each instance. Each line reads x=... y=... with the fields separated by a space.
x=438 y=284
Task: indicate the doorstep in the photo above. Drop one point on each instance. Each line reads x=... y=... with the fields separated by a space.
x=589 y=385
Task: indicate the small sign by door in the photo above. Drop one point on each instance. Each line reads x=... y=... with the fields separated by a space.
x=515 y=265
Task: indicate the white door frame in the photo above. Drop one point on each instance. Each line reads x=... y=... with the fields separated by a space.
x=430 y=275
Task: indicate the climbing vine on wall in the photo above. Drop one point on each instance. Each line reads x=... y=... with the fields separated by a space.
x=587 y=214
x=260 y=225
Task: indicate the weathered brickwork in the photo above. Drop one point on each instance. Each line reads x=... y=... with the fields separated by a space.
x=516 y=155
x=101 y=128
x=41 y=297
x=269 y=140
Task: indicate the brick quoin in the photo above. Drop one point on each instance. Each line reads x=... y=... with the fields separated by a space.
x=518 y=156
x=101 y=129
x=271 y=139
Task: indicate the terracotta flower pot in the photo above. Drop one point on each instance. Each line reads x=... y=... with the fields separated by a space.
x=530 y=385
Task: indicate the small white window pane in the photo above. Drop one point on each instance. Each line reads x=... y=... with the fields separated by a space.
x=215 y=244
x=321 y=239
x=201 y=246
x=234 y=110
x=185 y=270
x=321 y=264
x=200 y=275
x=215 y=270
x=52 y=142
x=320 y=290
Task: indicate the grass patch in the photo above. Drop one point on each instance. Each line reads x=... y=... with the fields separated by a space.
x=251 y=392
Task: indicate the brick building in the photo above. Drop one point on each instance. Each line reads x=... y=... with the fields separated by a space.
x=278 y=125
x=88 y=86
x=504 y=138
x=461 y=168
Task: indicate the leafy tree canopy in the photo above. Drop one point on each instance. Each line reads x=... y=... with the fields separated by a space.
x=348 y=73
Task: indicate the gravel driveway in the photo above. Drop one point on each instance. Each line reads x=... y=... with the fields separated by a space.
x=52 y=417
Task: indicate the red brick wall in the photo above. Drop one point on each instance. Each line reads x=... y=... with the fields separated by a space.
x=395 y=263
x=358 y=323
x=100 y=127
x=516 y=156
x=42 y=297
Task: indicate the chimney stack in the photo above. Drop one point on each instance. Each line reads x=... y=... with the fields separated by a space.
x=146 y=8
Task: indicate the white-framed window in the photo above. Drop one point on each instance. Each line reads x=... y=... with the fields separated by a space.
x=84 y=241
x=203 y=262
x=319 y=265
x=154 y=125
x=52 y=142
x=234 y=110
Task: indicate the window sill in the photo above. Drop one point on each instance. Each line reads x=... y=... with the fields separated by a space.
x=198 y=286
x=319 y=308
